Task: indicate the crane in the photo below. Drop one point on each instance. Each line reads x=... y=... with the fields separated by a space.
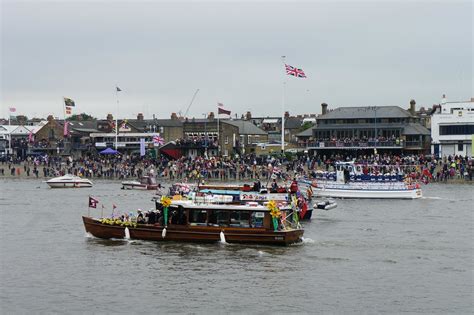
x=189 y=106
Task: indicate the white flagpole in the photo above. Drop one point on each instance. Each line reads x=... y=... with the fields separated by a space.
x=116 y=118
x=218 y=134
x=283 y=111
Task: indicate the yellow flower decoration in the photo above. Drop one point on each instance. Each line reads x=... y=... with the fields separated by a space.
x=165 y=201
x=271 y=205
x=274 y=211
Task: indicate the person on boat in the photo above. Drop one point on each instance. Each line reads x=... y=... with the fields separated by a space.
x=347 y=175
x=294 y=186
x=257 y=185
x=140 y=218
x=274 y=187
x=309 y=193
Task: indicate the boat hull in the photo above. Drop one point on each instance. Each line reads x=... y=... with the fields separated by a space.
x=368 y=194
x=70 y=185
x=139 y=186
x=185 y=233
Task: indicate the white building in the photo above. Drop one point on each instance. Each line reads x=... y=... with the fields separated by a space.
x=452 y=128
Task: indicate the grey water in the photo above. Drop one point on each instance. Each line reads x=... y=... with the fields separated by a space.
x=366 y=256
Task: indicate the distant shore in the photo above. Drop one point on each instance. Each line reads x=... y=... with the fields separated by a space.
x=23 y=175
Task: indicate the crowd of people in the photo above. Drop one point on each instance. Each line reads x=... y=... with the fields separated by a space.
x=247 y=167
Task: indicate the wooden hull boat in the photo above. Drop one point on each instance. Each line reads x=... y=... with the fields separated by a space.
x=194 y=234
x=206 y=223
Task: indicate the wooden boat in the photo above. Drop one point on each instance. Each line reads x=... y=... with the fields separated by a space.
x=145 y=183
x=191 y=222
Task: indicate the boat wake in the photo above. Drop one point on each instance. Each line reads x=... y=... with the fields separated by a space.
x=307 y=240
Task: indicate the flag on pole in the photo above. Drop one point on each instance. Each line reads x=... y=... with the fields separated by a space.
x=12 y=109
x=221 y=110
x=118 y=89
x=158 y=140
x=142 y=146
x=66 y=131
x=69 y=102
x=93 y=202
x=299 y=73
x=30 y=137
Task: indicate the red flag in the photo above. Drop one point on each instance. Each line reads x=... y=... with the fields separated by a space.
x=223 y=111
x=114 y=206
x=66 y=131
x=30 y=137
x=304 y=209
x=93 y=202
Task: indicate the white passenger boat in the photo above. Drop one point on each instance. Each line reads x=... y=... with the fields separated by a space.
x=350 y=183
x=69 y=181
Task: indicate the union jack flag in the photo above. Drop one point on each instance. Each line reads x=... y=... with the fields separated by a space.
x=295 y=71
x=158 y=140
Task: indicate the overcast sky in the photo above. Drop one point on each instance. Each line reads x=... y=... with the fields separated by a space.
x=159 y=53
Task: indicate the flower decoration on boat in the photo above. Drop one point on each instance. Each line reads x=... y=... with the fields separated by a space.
x=165 y=201
x=274 y=211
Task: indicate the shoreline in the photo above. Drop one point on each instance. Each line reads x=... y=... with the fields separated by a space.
x=455 y=181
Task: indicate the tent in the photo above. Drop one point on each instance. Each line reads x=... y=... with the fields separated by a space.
x=109 y=151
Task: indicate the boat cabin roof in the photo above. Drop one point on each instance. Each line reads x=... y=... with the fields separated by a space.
x=251 y=206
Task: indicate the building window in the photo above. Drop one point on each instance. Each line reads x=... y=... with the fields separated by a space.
x=456 y=130
x=226 y=139
x=198 y=217
x=460 y=146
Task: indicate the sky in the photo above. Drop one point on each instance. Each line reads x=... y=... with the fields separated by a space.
x=354 y=53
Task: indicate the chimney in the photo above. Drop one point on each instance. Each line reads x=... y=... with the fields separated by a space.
x=324 y=108
x=140 y=116
x=174 y=116
x=287 y=115
x=110 y=117
x=248 y=115
x=412 y=107
x=210 y=116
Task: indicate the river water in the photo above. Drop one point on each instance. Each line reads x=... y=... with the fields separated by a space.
x=366 y=256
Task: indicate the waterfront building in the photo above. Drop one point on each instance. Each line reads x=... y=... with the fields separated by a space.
x=452 y=128
x=366 y=128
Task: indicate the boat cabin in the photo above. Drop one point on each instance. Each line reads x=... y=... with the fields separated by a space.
x=251 y=215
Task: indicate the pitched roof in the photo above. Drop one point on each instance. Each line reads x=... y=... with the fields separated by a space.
x=245 y=127
x=415 y=129
x=361 y=112
x=293 y=123
x=306 y=133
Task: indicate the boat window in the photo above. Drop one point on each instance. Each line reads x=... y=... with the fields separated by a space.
x=219 y=218
x=198 y=217
x=257 y=219
x=240 y=218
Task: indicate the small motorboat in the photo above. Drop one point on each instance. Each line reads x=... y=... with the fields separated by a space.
x=69 y=181
x=145 y=183
x=327 y=204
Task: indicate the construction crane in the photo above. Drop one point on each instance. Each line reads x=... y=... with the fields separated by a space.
x=191 y=103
